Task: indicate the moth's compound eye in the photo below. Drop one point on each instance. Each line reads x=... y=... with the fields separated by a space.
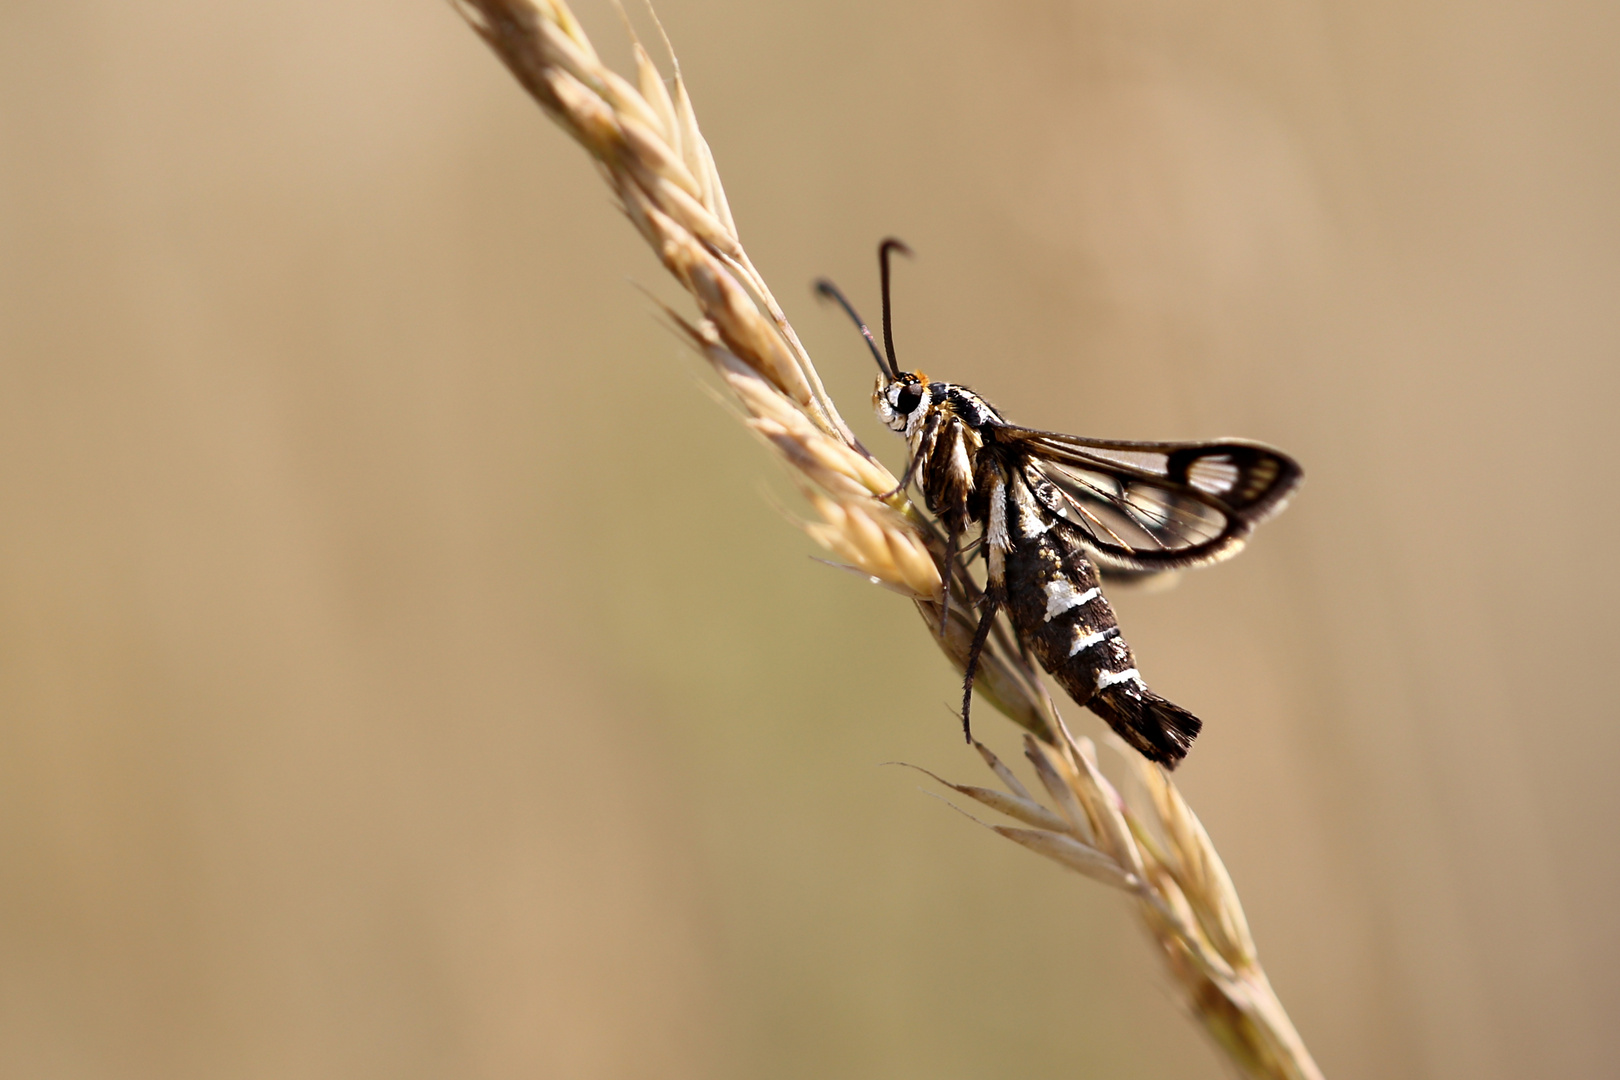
x=905 y=402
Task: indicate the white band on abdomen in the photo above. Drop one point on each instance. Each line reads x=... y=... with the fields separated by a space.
x=1082 y=644
x=1105 y=679
x=1061 y=597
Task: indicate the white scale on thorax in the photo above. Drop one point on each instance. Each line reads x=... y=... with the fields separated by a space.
x=1030 y=521
x=976 y=412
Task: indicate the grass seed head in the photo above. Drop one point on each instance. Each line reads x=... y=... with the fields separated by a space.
x=644 y=136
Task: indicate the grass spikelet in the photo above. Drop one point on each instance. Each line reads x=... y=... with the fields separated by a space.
x=644 y=137
x=1161 y=856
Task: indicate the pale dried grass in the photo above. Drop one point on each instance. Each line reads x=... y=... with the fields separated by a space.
x=1158 y=852
x=645 y=139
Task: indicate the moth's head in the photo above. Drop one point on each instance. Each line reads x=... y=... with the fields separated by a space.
x=901 y=400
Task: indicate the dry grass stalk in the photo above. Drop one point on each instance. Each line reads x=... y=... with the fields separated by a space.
x=645 y=139
x=1160 y=854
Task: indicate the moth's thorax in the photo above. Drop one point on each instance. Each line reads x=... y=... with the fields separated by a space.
x=969 y=407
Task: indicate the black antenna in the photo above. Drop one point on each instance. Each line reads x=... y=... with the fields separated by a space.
x=889 y=244
x=827 y=289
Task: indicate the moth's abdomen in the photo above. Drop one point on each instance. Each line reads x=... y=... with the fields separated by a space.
x=1159 y=729
x=1056 y=605
x=1059 y=611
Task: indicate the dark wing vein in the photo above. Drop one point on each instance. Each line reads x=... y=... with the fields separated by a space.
x=1148 y=519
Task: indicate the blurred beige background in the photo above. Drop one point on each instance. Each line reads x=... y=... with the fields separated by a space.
x=406 y=669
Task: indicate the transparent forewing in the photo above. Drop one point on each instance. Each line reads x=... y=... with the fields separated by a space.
x=1152 y=506
x=1131 y=522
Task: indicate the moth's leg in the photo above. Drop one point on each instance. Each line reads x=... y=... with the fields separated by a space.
x=953 y=544
x=992 y=604
x=924 y=445
x=995 y=592
x=1024 y=653
x=1005 y=489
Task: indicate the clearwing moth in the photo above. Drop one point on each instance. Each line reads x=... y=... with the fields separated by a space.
x=1052 y=509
